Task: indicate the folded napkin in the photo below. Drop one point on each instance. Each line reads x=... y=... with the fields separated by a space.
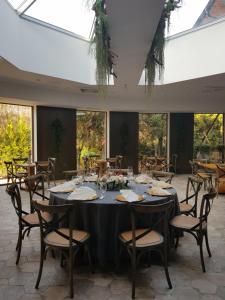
x=92 y=178
x=161 y=184
x=157 y=191
x=143 y=178
x=129 y=195
x=83 y=193
x=66 y=187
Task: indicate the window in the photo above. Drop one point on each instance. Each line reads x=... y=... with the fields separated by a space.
x=208 y=136
x=15 y=133
x=91 y=135
x=152 y=134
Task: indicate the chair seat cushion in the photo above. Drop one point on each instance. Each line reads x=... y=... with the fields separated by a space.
x=32 y=219
x=185 y=222
x=185 y=207
x=54 y=239
x=150 y=239
x=204 y=175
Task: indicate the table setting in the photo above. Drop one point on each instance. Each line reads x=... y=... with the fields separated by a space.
x=105 y=212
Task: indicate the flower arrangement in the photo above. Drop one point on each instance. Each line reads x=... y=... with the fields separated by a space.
x=114 y=182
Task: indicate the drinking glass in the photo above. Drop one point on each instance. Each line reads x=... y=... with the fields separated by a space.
x=130 y=172
x=102 y=188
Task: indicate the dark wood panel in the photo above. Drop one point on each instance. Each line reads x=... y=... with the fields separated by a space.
x=181 y=139
x=124 y=137
x=56 y=137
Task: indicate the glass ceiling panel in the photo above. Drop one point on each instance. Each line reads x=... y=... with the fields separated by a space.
x=71 y=15
x=194 y=13
x=21 y=5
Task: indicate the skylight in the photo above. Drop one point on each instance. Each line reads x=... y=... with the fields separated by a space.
x=192 y=11
x=71 y=15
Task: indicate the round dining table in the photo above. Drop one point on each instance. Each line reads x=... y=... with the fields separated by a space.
x=106 y=218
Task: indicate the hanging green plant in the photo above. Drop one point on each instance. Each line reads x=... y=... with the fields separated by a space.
x=155 y=57
x=101 y=40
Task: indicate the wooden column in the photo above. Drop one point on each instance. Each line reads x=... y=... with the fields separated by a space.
x=56 y=137
x=124 y=137
x=181 y=139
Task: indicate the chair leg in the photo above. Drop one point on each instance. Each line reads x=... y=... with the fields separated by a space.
x=165 y=262
x=71 y=262
x=19 y=245
x=207 y=244
x=40 y=266
x=177 y=242
x=118 y=256
x=201 y=254
x=133 y=262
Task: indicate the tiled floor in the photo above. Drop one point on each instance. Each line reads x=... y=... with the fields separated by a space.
x=17 y=282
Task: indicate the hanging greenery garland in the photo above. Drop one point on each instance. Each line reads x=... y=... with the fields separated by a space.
x=101 y=39
x=155 y=57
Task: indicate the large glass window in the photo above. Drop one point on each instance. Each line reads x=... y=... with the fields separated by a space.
x=15 y=133
x=152 y=134
x=91 y=135
x=208 y=136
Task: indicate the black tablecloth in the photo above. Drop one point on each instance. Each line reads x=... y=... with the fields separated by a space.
x=105 y=218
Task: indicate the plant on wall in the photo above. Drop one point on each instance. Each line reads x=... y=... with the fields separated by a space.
x=155 y=57
x=101 y=40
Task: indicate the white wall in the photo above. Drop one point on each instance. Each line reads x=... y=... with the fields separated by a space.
x=42 y=50
x=197 y=53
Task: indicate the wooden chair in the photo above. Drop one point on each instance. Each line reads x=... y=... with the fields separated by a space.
x=12 y=176
x=197 y=226
x=47 y=168
x=26 y=221
x=201 y=172
x=145 y=240
x=36 y=188
x=195 y=183
x=160 y=175
x=19 y=169
x=66 y=239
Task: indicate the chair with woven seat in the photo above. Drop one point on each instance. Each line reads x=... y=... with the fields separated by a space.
x=144 y=240
x=68 y=240
x=187 y=208
x=197 y=226
x=36 y=188
x=26 y=220
x=161 y=175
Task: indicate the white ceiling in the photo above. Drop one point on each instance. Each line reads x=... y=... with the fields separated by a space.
x=132 y=28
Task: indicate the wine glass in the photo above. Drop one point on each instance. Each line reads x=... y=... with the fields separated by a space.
x=130 y=172
x=103 y=189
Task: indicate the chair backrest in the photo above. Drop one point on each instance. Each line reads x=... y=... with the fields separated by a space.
x=14 y=193
x=9 y=168
x=206 y=205
x=158 y=175
x=36 y=187
x=62 y=213
x=41 y=166
x=194 y=184
x=163 y=210
x=51 y=164
x=20 y=160
x=194 y=167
